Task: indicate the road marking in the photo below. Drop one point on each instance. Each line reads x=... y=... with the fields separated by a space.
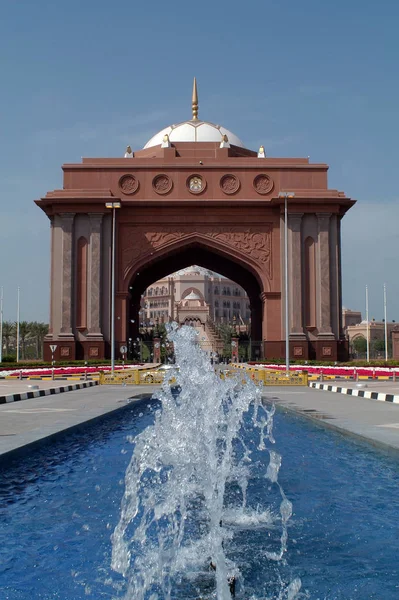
x=390 y=425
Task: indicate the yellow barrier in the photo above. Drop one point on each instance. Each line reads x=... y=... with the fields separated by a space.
x=261 y=376
x=134 y=377
x=267 y=377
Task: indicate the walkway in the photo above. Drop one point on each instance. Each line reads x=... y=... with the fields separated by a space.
x=35 y=420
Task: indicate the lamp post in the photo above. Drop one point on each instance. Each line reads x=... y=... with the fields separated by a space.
x=1 y=324
x=286 y=195
x=113 y=206
x=367 y=326
x=18 y=324
x=385 y=322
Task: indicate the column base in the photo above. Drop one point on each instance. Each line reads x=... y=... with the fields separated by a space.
x=327 y=350
x=65 y=351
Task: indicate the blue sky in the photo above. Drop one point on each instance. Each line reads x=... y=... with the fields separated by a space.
x=305 y=78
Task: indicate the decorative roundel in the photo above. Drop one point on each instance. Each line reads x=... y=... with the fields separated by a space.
x=196 y=184
x=128 y=184
x=263 y=184
x=162 y=184
x=230 y=184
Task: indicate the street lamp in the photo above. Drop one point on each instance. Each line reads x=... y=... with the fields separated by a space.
x=113 y=206
x=286 y=195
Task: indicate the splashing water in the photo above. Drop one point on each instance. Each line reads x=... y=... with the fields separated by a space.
x=186 y=488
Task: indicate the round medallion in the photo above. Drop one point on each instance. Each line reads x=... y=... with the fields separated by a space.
x=230 y=184
x=263 y=184
x=162 y=184
x=128 y=184
x=196 y=184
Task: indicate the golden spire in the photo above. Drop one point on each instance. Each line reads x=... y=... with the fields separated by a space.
x=194 y=101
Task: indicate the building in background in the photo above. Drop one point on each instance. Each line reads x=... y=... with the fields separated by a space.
x=350 y=317
x=195 y=293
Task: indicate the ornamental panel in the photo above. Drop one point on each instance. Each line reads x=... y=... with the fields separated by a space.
x=229 y=184
x=162 y=184
x=263 y=184
x=128 y=184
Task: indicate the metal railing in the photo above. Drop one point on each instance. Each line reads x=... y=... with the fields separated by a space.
x=263 y=377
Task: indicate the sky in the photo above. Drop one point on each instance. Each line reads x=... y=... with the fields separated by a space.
x=303 y=78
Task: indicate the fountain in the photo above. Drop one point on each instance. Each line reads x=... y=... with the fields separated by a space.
x=195 y=493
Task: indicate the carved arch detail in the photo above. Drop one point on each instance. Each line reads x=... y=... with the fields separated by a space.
x=249 y=245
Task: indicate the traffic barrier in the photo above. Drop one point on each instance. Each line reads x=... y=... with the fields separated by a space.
x=134 y=377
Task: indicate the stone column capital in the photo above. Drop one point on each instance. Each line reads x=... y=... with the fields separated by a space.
x=67 y=221
x=95 y=220
x=323 y=220
x=294 y=221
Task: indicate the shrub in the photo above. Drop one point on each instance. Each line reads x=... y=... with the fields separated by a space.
x=8 y=358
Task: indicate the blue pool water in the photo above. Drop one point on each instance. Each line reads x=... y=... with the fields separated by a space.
x=60 y=504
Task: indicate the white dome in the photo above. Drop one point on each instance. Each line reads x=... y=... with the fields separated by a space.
x=194 y=131
x=192 y=296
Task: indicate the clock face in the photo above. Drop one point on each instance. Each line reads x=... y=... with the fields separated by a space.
x=196 y=184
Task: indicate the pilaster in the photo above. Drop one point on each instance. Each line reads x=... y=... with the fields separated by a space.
x=94 y=296
x=295 y=257
x=323 y=267
x=66 y=222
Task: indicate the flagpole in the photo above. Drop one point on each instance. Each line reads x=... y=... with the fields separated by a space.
x=385 y=322
x=367 y=324
x=1 y=324
x=18 y=325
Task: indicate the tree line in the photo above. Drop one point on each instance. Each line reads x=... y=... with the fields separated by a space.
x=31 y=336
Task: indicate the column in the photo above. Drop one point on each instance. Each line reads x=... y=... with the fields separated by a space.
x=324 y=295
x=295 y=275
x=67 y=270
x=52 y=291
x=94 y=325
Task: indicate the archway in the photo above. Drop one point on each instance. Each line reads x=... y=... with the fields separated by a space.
x=145 y=275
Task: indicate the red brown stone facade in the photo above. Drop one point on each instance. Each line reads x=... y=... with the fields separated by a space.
x=196 y=203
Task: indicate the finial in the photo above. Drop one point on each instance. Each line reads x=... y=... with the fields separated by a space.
x=166 y=142
x=225 y=141
x=261 y=152
x=129 y=152
x=194 y=101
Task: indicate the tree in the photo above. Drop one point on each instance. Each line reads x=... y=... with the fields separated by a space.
x=360 y=344
x=24 y=332
x=38 y=332
x=8 y=334
x=379 y=345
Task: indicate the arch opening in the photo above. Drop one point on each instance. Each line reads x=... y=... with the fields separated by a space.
x=196 y=254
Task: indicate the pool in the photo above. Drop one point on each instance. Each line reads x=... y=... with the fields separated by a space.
x=60 y=504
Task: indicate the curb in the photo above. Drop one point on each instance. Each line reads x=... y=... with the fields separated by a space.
x=47 y=392
x=355 y=392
